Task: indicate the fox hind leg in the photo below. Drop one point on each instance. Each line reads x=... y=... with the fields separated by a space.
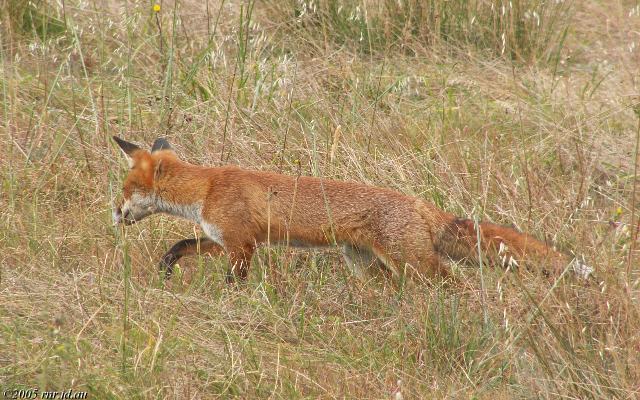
x=416 y=266
x=362 y=262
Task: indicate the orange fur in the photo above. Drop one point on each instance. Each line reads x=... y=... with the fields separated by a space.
x=240 y=209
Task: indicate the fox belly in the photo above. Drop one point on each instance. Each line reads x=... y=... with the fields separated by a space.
x=388 y=235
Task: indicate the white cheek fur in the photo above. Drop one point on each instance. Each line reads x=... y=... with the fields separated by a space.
x=141 y=201
x=192 y=212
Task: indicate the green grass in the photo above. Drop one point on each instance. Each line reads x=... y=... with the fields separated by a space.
x=522 y=30
x=537 y=131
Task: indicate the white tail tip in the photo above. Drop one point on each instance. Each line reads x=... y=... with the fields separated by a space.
x=581 y=269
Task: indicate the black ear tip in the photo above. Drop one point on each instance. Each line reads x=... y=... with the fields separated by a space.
x=127 y=147
x=161 y=144
x=119 y=141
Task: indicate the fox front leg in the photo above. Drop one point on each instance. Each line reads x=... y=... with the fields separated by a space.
x=239 y=261
x=188 y=247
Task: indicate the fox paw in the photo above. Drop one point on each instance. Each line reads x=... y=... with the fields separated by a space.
x=166 y=264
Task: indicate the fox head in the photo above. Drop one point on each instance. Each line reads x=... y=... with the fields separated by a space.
x=140 y=198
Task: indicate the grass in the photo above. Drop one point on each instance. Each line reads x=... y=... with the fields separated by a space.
x=537 y=131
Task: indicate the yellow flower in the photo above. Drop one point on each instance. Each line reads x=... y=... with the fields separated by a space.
x=156 y=7
x=619 y=211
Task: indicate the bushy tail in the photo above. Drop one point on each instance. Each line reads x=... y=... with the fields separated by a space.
x=501 y=245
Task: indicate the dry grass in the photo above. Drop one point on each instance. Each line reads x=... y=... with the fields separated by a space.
x=541 y=135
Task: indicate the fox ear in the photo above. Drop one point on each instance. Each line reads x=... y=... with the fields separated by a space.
x=127 y=149
x=161 y=144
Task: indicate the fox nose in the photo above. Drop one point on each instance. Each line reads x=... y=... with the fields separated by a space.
x=116 y=215
x=127 y=218
x=122 y=216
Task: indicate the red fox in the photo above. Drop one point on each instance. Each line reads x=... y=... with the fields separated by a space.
x=377 y=228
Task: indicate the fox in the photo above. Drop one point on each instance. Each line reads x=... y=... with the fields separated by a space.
x=378 y=229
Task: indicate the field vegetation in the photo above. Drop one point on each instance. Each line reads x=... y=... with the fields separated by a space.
x=521 y=112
